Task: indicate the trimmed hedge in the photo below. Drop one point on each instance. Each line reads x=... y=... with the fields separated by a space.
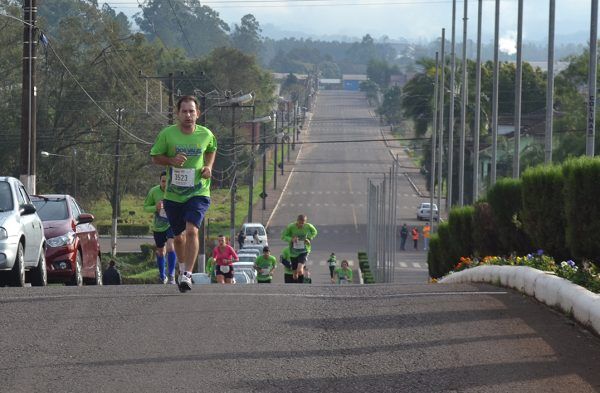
x=505 y=198
x=460 y=221
x=440 y=259
x=582 y=207
x=485 y=236
x=434 y=257
x=363 y=265
x=543 y=211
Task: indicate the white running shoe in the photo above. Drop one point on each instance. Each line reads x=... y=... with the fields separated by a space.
x=165 y=280
x=172 y=281
x=185 y=282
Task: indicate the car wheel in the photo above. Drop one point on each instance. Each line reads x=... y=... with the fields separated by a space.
x=17 y=274
x=77 y=278
x=39 y=275
x=98 y=277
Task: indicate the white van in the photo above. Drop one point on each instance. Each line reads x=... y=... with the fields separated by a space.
x=250 y=228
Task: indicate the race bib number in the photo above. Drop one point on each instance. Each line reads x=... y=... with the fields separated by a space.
x=224 y=269
x=265 y=271
x=183 y=177
x=299 y=245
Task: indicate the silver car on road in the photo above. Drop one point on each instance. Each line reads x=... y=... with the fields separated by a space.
x=22 y=239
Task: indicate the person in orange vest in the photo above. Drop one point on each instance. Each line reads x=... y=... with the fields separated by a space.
x=426 y=230
x=415 y=237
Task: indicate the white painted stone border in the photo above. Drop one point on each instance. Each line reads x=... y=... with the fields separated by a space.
x=554 y=291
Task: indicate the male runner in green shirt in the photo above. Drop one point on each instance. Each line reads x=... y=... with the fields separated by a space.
x=264 y=265
x=188 y=151
x=163 y=235
x=298 y=235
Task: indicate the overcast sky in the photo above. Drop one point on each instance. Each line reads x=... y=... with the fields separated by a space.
x=411 y=19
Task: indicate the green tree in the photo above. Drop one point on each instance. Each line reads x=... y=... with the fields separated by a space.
x=184 y=24
x=246 y=36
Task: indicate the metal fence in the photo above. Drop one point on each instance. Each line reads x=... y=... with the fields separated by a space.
x=381 y=224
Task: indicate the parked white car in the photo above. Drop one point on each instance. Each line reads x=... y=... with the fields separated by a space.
x=250 y=228
x=241 y=277
x=423 y=211
x=22 y=242
x=246 y=267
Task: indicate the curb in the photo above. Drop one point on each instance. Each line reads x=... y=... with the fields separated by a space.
x=361 y=281
x=574 y=300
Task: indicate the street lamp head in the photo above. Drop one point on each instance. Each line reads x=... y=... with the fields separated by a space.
x=264 y=119
x=45 y=154
x=241 y=100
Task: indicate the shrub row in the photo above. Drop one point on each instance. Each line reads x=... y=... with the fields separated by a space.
x=553 y=208
x=363 y=263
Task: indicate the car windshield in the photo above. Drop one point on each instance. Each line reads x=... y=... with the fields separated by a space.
x=51 y=209
x=6 y=201
x=250 y=231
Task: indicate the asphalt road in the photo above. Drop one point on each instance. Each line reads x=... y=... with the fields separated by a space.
x=292 y=338
x=402 y=337
x=329 y=185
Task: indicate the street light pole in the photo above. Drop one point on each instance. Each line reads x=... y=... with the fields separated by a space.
x=252 y=166
x=115 y=201
x=28 y=98
x=234 y=179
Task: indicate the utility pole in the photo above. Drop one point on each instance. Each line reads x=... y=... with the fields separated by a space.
x=264 y=167
x=477 y=107
x=28 y=98
x=591 y=118
x=550 y=86
x=282 y=141
x=295 y=125
x=74 y=165
x=275 y=155
x=116 y=202
x=442 y=91
x=518 y=89
x=252 y=167
x=451 y=114
x=495 y=96
x=203 y=233
x=289 y=140
x=433 y=140
x=171 y=97
x=234 y=179
x=463 y=113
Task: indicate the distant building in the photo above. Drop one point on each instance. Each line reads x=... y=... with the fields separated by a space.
x=352 y=81
x=330 y=84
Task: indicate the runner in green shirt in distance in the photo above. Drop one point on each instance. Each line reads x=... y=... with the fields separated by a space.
x=343 y=274
x=264 y=265
x=299 y=235
x=163 y=235
x=188 y=151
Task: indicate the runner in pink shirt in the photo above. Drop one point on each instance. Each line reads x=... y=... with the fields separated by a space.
x=224 y=256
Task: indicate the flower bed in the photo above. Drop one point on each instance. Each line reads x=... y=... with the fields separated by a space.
x=586 y=275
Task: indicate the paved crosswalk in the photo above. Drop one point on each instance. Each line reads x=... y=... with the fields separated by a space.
x=360 y=193
x=401 y=265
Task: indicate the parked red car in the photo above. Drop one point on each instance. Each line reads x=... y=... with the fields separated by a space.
x=73 y=248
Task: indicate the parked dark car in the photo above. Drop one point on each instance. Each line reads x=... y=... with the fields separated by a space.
x=73 y=248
